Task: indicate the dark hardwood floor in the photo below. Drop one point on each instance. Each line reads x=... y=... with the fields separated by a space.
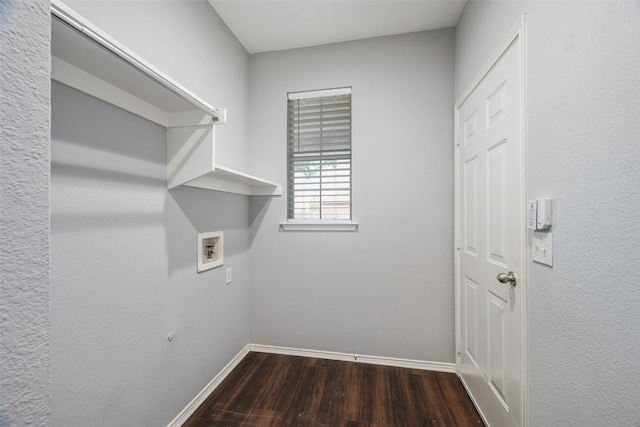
x=276 y=390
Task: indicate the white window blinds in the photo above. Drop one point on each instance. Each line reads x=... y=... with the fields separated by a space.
x=319 y=155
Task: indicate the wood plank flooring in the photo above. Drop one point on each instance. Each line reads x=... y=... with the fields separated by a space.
x=276 y=390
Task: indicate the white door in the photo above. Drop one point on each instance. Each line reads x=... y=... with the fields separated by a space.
x=491 y=233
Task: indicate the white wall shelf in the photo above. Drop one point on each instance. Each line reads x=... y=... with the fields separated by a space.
x=86 y=58
x=191 y=162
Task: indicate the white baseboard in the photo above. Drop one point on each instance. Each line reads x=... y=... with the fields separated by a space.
x=184 y=415
x=373 y=360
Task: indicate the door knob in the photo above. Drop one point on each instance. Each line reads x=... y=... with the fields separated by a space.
x=507 y=278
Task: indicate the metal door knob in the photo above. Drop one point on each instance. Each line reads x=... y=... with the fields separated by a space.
x=509 y=277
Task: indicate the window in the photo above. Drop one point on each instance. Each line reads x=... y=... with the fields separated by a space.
x=319 y=155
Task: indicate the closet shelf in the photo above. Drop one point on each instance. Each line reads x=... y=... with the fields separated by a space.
x=231 y=181
x=86 y=58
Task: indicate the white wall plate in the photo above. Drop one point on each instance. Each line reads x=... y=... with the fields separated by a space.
x=542 y=247
x=210 y=250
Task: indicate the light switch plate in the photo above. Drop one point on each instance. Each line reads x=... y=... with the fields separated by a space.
x=542 y=247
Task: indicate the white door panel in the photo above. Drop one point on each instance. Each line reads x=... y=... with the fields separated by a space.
x=490 y=222
x=471 y=321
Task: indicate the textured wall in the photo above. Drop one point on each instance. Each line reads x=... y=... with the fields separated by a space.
x=386 y=290
x=24 y=213
x=123 y=248
x=584 y=99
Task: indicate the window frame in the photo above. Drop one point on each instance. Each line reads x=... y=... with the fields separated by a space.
x=297 y=224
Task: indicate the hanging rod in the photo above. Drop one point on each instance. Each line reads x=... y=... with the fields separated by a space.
x=58 y=12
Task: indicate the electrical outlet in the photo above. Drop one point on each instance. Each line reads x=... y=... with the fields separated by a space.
x=228 y=275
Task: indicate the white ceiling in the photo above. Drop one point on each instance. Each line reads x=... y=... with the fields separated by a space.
x=268 y=25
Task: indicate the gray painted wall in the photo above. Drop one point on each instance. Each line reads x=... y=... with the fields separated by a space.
x=386 y=290
x=123 y=249
x=189 y=42
x=392 y=296
x=583 y=128
x=24 y=213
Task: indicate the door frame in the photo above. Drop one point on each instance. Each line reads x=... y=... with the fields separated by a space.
x=517 y=34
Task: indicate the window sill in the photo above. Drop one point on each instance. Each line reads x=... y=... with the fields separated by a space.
x=319 y=226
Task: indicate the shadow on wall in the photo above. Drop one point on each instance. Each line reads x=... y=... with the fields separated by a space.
x=5 y=12
x=89 y=123
x=104 y=178
x=109 y=174
x=87 y=213
x=4 y=418
x=205 y=211
x=258 y=206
